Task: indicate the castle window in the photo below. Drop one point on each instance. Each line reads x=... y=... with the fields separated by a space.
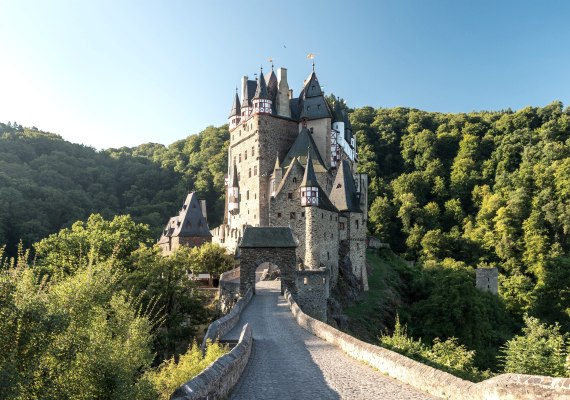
x=311 y=129
x=303 y=214
x=324 y=235
x=339 y=185
x=322 y=215
x=356 y=224
x=290 y=196
x=250 y=172
x=292 y=215
x=252 y=151
x=239 y=157
x=245 y=155
x=278 y=215
x=357 y=246
x=331 y=235
x=328 y=256
x=255 y=170
x=341 y=226
x=305 y=280
x=247 y=195
x=234 y=159
x=295 y=179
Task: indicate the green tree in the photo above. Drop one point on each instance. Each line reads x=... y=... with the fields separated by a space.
x=540 y=350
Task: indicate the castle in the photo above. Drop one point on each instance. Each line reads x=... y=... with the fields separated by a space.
x=292 y=163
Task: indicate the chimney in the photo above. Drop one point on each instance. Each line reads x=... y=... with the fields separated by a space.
x=282 y=105
x=243 y=87
x=203 y=208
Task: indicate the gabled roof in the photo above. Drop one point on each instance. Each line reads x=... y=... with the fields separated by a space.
x=343 y=193
x=309 y=178
x=190 y=221
x=236 y=109
x=314 y=108
x=299 y=148
x=261 y=90
x=275 y=236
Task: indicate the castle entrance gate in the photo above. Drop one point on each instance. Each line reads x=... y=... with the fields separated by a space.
x=260 y=245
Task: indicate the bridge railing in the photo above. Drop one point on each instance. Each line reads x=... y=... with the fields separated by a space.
x=223 y=325
x=432 y=380
x=216 y=381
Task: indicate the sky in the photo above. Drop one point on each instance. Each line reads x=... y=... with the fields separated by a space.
x=112 y=73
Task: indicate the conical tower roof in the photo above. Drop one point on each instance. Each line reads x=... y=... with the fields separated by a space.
x=236 y=108
x=312 y=87
x=309 y=178
x=261 y=92
x=272 y=85
x=338 y=114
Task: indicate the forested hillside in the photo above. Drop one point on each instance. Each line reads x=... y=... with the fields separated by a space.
x=458 y=191
x=47 y=183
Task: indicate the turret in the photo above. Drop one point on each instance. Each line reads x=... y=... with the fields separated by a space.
x=283 y=94
x=309 y=188
x=235 y=113
x=233 y=193
x=261 y=102
x=272 y=88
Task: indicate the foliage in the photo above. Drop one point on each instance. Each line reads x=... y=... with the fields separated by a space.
x=161 y=382
x=164 y=283
x=47 y=183
x=448 y=355
x=540 y=350
x=78 y=337
x=210 y=258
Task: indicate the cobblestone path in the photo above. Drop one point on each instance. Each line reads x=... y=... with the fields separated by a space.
x=288 y=362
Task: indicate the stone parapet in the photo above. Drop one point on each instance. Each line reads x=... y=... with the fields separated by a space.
x=216 y=381
x=223 y=325
x=431 y=380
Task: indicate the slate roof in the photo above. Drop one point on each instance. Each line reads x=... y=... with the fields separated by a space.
x=315 y=108
x=272 y=85
x=236 y=109
x=190 y=221
x=309 y=178
x=338 y=114
x=250 y=89
x=299 y=148
x=312 y=87
x=261 y=90
x=343 y=193
x=267 y=237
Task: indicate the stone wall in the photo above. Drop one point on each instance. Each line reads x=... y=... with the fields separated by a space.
x=228 y=292
x=286 y=207
x=223 y=325
x=429 y=379
x=251 y=258
x=487 y=279
x=322 y=241
x=216 y=381
x=312 y=291
x=322 y=137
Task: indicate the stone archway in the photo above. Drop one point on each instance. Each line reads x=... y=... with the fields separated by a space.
x=267 y=244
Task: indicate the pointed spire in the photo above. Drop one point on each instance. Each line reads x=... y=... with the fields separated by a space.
x=236 y=108
x=309 y=178
x=261 y=92
x=277 y=164
x=313 y=87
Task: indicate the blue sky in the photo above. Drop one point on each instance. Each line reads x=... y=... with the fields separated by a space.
x=120 y=73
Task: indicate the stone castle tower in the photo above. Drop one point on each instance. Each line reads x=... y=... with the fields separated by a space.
x=292 y=162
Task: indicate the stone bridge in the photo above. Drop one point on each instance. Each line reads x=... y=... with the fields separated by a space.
x=287 y=362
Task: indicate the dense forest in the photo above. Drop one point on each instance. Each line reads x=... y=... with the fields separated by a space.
x=448 y=192
x=453 y=192
x=47 y=183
